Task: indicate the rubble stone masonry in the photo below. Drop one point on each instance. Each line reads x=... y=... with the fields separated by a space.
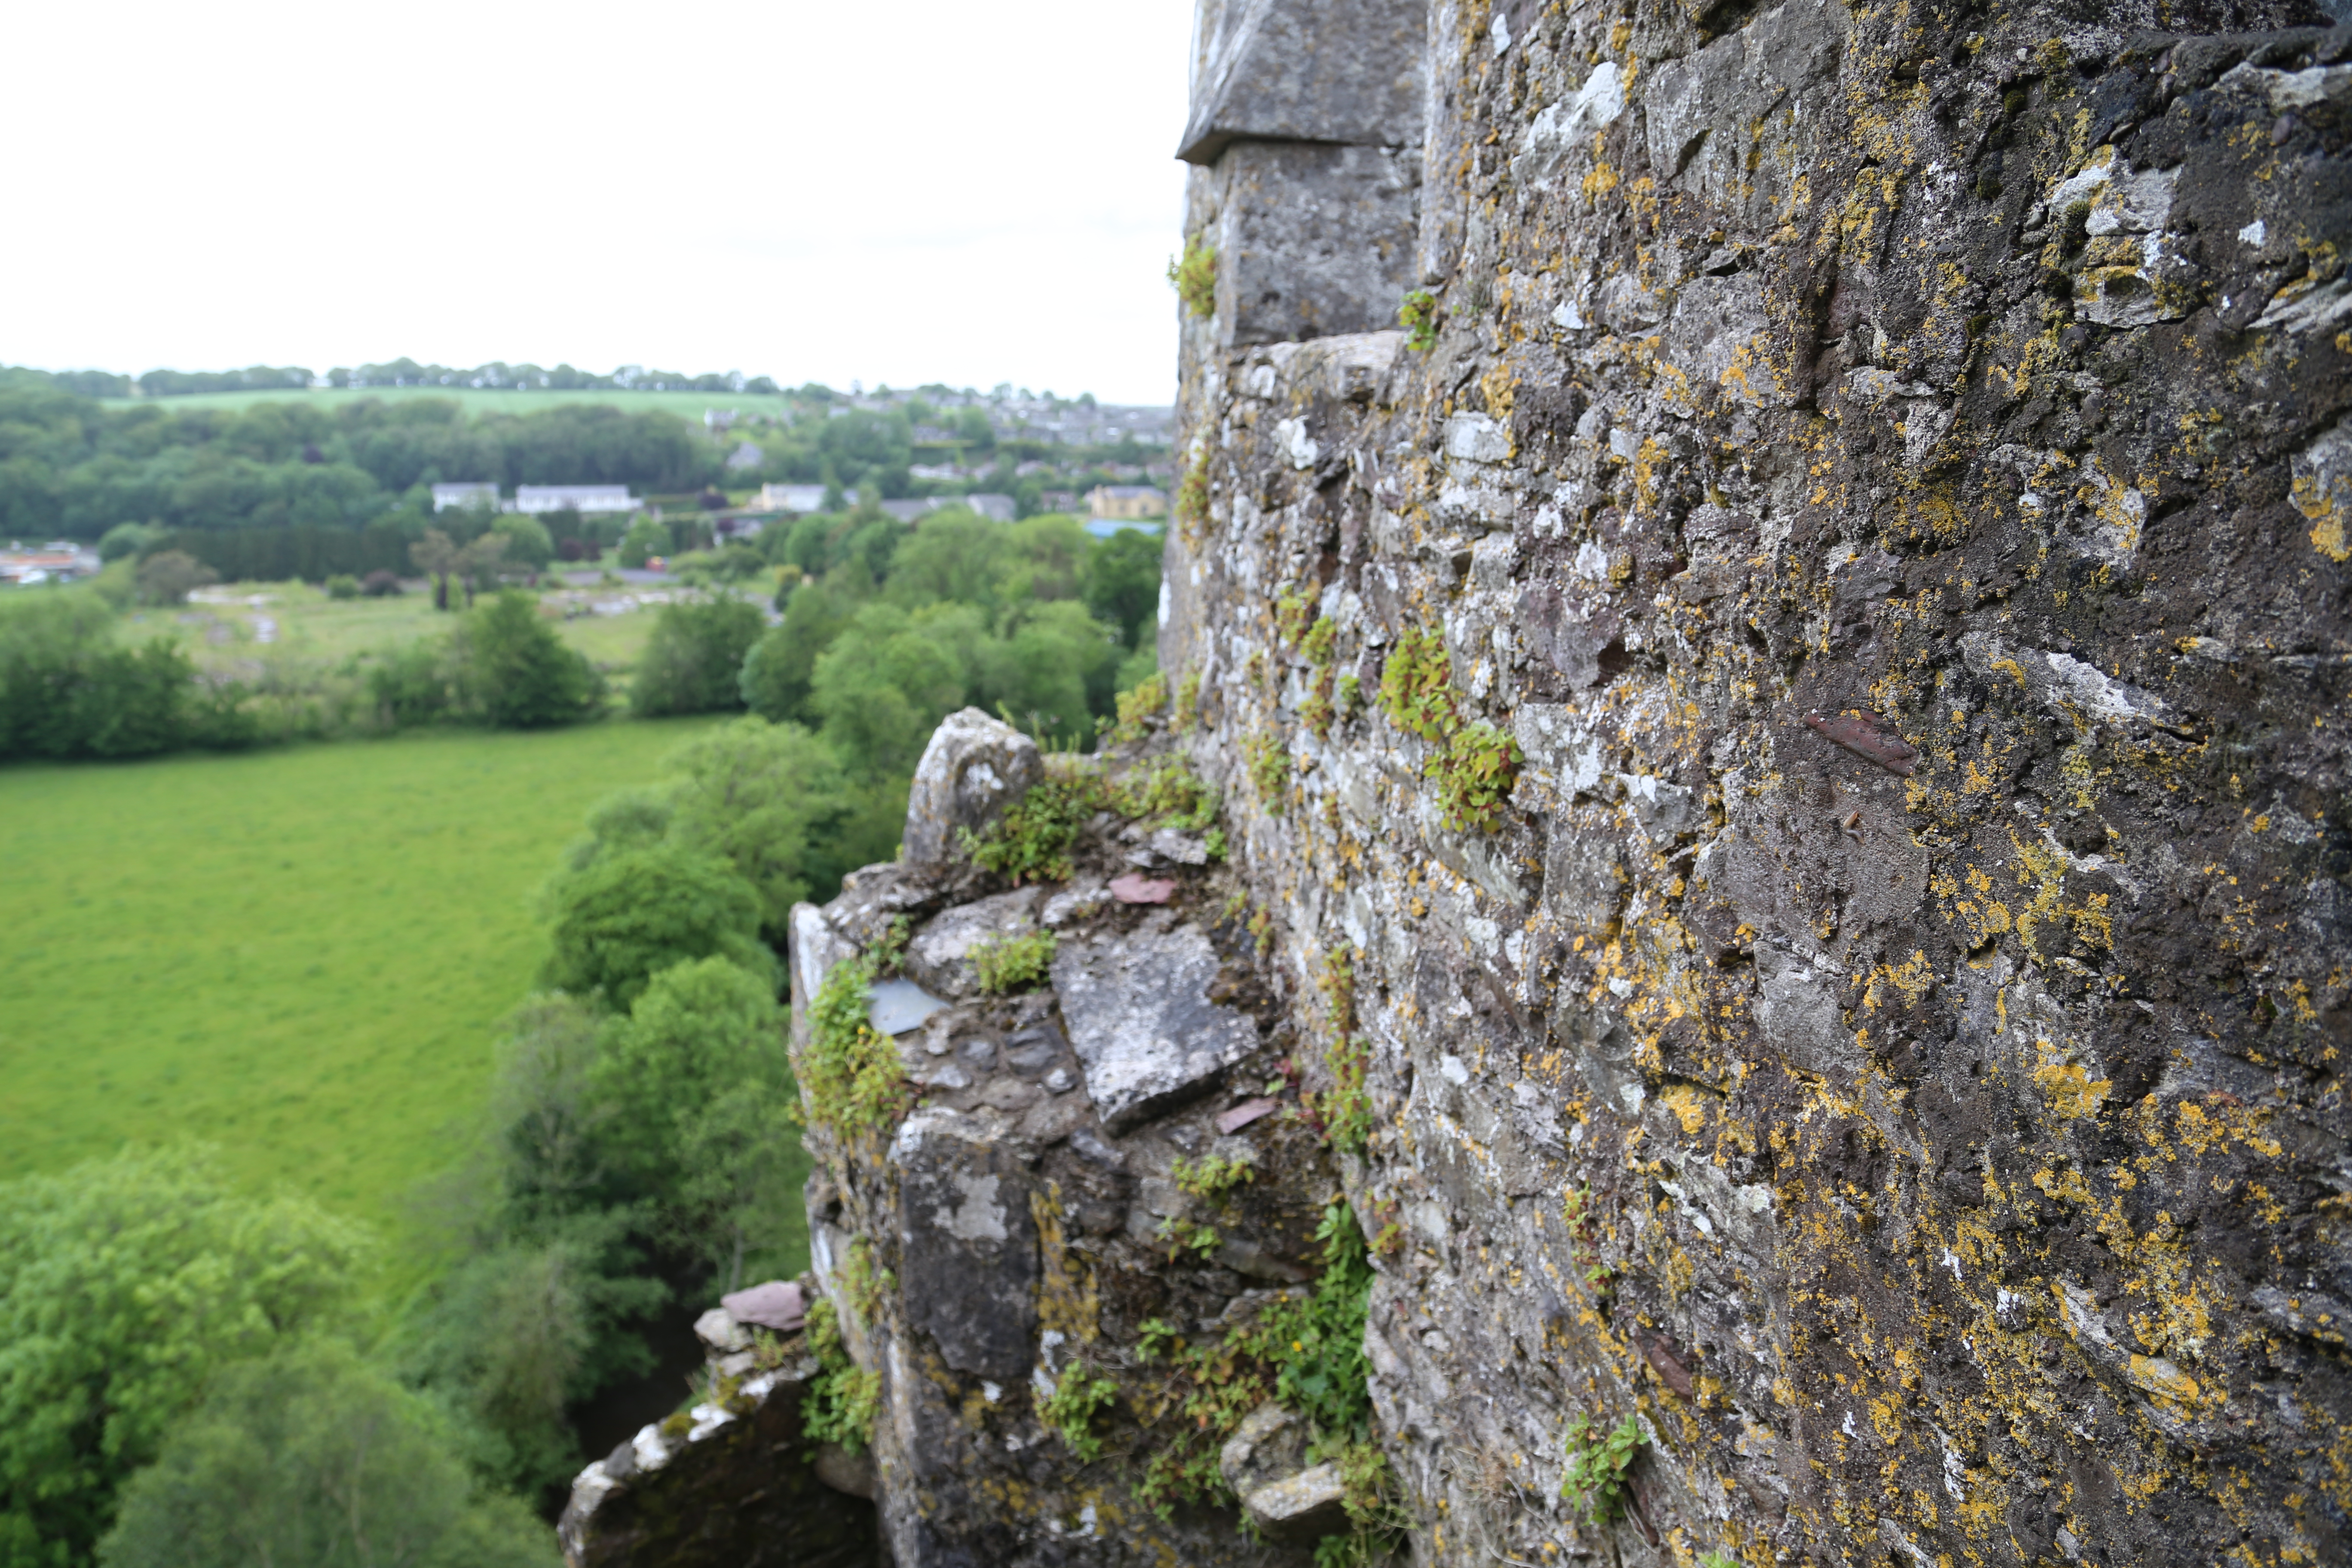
x=1782 y=743
x=1885 y=468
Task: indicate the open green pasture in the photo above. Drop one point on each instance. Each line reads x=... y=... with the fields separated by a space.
x=307 y=630
x=476 y=401
x=299 y=955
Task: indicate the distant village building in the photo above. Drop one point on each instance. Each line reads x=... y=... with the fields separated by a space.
x=1127 y=502
x=462 y=496
x=60 y=561
x=932 y=436
x=907 y=510
x=581 y=499
x=1058 y=501
x=996 y=508
x=719 y=418
x=790 y=498
x=934 y=471
x=746 y=456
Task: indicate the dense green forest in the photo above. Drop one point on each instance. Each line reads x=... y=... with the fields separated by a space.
x=279 y=489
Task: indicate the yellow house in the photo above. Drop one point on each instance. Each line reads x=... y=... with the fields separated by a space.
x=1127 y=502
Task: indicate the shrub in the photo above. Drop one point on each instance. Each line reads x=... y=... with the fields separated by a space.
x=1010 y=964
x=628 y=916
x=693 y=662
x=518 y=673
x=342 y=586
x=130 y=540
x=169 y=576
x=415 y=683
x=381 y=585
x=69 y=689
x=645 y=540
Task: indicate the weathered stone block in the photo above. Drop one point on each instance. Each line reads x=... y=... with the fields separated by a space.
x=1141 y=1021
x=1312 y=240
x=969 y=1244
x=972 y=769
x=1305 y=70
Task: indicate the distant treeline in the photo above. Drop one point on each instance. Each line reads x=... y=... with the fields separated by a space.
x=70 y=467
x=498 y=375
x=357 y=475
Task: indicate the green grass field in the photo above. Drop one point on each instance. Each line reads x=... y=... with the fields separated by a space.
x=301 y=955
x=476 y=401
x=312 y=630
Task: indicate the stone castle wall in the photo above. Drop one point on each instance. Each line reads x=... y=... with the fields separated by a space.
x=1788 y=721
x=1885 y=468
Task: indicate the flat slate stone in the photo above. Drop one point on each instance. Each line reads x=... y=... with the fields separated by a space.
x=775 y=1305
x=1141 y=1020
x=1247 y=1111
x=895 y=1007
x=1135 y=889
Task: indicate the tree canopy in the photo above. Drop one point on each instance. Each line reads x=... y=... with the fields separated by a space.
x=124 y=1285
x=311 y=1457
x=624 y=917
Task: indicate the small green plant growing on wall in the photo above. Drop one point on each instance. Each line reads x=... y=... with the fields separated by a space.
x=1476 y=763
x=1418 y=317
x=1137 y=704
x=843 y=1398
x=1307 y=1353
x=1269 y=768
x=1594 y=1484
x=1345 y=1109
x=1010 y=963
x=1292 y=613
x=1168 y=793
x=864 y=1283
x=1079 y=1396
x=1192 y=503
x=1195 y=276
x=1031 y=842
x=1185 y=1235
x=1185 y=717
x=851 y=1073
x=1214 y=1177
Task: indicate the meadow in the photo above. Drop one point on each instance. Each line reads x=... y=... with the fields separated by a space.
x=309 y=632
x=301 y=955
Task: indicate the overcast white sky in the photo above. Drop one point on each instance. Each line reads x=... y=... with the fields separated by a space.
x=923 y=191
